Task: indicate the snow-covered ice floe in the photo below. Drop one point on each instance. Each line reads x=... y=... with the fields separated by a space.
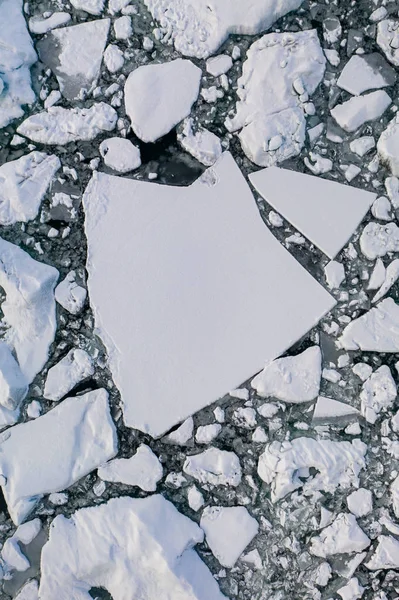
x=17 y=55
x=132 y=547
x=214 y=467
x=341 y=537
x=52 y=452
x=75 y=367
x=143 y=469
x=210 y=312
x=375 y=331
x=353 y=113
x=325 y=211
x=272 y=118
x=388 y=145
x=199 y=27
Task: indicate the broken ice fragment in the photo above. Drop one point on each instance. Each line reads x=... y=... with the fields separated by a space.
x=139 y=546
x=228 y=532
x=75 y=367
x=60 y=125
x=120 y=154
x=214 y=466
x=378 y=393
x=352 y=590
x=23 y=183
x=11 y=552
x=388 y=40
x=328 y=410
x=70 y=295
x=360 y=502
x=314 y=206
x=377 y=239
x=210 y=312
x=353 y=113
x=375 y=331
x=199 y=27
x=341 y=537
x=366 y=72
x=182 y=434
x=67 y=442
x=391 y=277
x=292 y=378
x=41 y=25
x=386 y=555
x=362 y=145
x=388 y=146
x=75 y=70
x=13 y=384
x=217 y=65
x=204 y=145
x=153 y=105
x=207 y=433
x=265 y=113
x=335 y=274
x=143 y=469
x=93 y=7
x=377 y=277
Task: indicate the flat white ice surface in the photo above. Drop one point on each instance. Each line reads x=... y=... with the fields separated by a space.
x=375 y=331
x=52 y=452
x=133 y=547
x=326 y=212
x=187 y=291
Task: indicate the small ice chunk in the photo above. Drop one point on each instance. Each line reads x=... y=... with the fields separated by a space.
x=332 y=30
x=391 y=277
x=34 y=409
x=319 y=163
x=13 y=384
x=378 y=393
x=60 y=125
x=123 y=28
x=207 y=433
x=70 y=295
x=332 y=56
x=291 y=379
x=120 y=154
x=341 y=537
x=182 y=434
x=378 y=239
x=204 y=145
x=11 y=552
x=53 y=97
x=388 y=40
x=217 y=65
x=388 y=146
x=143 y=470
x=214 y=466
x=386 y=555
x=392 y=189
x=195 y=498
x=92 y=7
x=362 y=370
x=253 y=559
x=352 y=590
x=375 y=331
x=245 y=417
x=353 y=113
x=113 y=58
x=58 y=498
x=153 y=105
x=360 y=502
x=259 y=436
x=75 y=367
x=335 y=274
x=351 y=172
x=240 y=394
x=366 y=72
x=377 y=276
x=40 y=25
x=381 y=209
x=329 y=410
x=71 y=440
x=228 y=531
x=362 y=145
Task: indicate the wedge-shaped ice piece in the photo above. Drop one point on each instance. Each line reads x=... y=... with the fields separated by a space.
x=199 y=27
x=375 y=331
x=326 y=212
x=75 y=69
x=23 y=183
x=17 y=55
x=132 y=547
x=342 y=537
x=228 y=532
x=52 y=452
x=29 y=308
x=366 y=72
x=284 y=464
x=329 y=410
x=187 y=313
x=353 y=113
x=75 y=367
x=13 y=384
x=386 y=555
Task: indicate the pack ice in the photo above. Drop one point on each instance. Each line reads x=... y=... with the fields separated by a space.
x=189 y=314
x=272 y=117
x=17 y=55
x=132 y=547
x=199 y=27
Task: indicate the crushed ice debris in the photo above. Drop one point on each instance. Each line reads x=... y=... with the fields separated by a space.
x=315 y=206
x=74 y=368
x=23 y=184
x=60 y=125
x=378 y=393
x=272 y=118
x=338 y=464
x=215 y=467
x=341 y=537
x=353 y=113
x=76 y=70
x=120 y=154
x=375 y=331
x=167 y=326
x=199 y=29
x=143 y=470
x=292 y=378
x=68 y=442
x=204 y=145
x=366 y=72
x=228 y=531
x=105 y=538
x=17 y=55
x=70 y=295
x=153 y=105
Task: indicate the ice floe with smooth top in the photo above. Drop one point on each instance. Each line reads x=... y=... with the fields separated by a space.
x=210 y=312
x=143 y=469
x=375 y=331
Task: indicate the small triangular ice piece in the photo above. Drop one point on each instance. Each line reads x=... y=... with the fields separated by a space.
x=326 y=212
x=328 y=410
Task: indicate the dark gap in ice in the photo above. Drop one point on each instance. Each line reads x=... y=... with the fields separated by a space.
x=154 y=151
x=100 y=594
x=82 y=388
x=3 y=505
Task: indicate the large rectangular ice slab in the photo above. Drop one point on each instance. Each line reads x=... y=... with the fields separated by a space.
x=326 y=212
x=52 y=452
x=190 y=290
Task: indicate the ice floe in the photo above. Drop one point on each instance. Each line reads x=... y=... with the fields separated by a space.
x=386 y=555
x=326 y=212
x=272 y=118
x=214 y=466
x=341 y=537
x=228 y=531
x=120 y=154
x=375 y=331
x=93 y=7
x=202 y=295
x=60 y=125
x=70 y=295
x=140 y=546
x=388 y=146
x=143 y=469
x=282 y=465
x=378 y=393
x=153 y=105
x=360 y=502
x=388 y=39
x=199 y=27
x=23 y=184
x=353 y=113
x=378 y=239
x=329 y=410
x=67 y=442
x=366 y=72
x=40 y=24
x=204 y=145
x=17 y=55
x=74 y=368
